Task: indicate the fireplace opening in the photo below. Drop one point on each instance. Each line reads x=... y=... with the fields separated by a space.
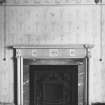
x=53 y=93
x=53 y=85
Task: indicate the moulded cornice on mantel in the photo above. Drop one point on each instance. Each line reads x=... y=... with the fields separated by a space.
x=53 y=51
x=74 y=46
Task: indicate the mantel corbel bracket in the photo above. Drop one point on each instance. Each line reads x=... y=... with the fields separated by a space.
x=88 y=48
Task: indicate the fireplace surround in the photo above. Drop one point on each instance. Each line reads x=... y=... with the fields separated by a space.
x=52 y=74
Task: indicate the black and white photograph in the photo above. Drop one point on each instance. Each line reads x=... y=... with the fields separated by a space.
x=52 y=52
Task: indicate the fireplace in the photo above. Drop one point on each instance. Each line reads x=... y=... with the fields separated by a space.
x=52 y=75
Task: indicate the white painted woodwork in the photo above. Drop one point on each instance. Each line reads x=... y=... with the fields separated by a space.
x=43 y=51
x=18 y=82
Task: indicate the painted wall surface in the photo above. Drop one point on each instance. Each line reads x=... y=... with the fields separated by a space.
x=53 y=24
x=103 y=50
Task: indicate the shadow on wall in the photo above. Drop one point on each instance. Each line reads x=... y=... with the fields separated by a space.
x=98 y=103
x=2 y=2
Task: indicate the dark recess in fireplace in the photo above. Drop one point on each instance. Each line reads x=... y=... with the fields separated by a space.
x=53 y=85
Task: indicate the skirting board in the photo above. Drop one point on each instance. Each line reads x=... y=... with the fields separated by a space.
x=6 y=103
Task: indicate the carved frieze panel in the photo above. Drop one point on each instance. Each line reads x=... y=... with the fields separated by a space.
x=51 y=53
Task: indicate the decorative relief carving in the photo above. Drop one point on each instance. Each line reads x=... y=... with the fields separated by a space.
x=51 y=53
x=88 y=49
x=54 y=24
x=18 y=53
x=34 y=53
x=72 y=52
